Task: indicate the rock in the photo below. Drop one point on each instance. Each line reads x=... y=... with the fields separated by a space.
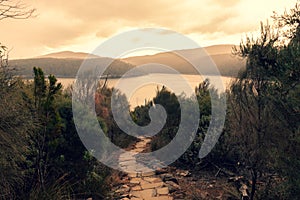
x=136 y=188
x=161 y=171
x=125 y=196
x=125 y=186
x=162 y=191
x=152 y=179
x=152 y=185
x=123 y=189
x=145 y=194
x=135 y=180
x=151 y=173
x=133 y=175
x=179 y=196
x=169 y=177
x=184 y=173
x=172 y=186
x=162 y=198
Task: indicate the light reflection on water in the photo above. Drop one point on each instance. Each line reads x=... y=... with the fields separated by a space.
x=147 y=92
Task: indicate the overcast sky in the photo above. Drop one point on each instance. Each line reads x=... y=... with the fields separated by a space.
x=81 y=25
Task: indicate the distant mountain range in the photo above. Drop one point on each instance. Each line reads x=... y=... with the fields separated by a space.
x=227 y=63
x=67 y=63
x=69 y=54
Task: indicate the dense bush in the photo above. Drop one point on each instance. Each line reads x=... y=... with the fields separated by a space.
x=42 y=157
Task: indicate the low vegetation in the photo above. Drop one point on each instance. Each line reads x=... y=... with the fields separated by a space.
x=42 y=157
x=260 y=141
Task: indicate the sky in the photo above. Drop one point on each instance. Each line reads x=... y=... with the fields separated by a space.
x=81 y=25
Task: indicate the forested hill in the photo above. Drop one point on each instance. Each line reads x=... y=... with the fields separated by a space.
x=69 y=54
x=228 y=64
x=67 y=63
x=68 y=67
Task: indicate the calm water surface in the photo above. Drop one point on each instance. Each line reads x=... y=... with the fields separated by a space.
x=145 y=87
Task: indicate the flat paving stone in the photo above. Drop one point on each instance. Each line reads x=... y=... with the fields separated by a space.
x=133 y=175
x=135 y=181
x=151 y=185
x=142 y=168
x=161 y=198
x=151 y=173
x=152 y=179
x=162 y=191
x=136 y=188
x=145 y=194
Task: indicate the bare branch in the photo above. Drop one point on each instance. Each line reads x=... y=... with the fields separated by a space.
x=15 y=10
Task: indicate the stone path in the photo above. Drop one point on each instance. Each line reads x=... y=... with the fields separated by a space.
x=143 y=183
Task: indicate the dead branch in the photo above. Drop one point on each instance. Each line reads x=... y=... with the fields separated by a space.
x=15 y=10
